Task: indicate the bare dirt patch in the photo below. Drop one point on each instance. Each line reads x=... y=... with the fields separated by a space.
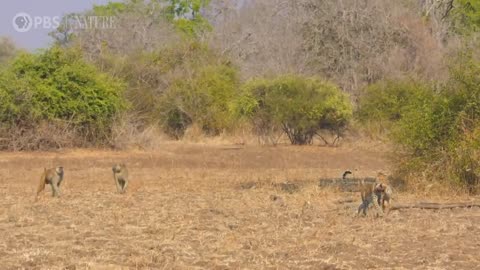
x=215 y=207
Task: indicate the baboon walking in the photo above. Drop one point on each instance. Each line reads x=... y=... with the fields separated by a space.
x=54 y=178
x=120 y=175
x=385 y=191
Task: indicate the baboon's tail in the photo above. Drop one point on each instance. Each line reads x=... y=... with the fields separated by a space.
x=41 y=184
x=345 y=174
x=361 y=185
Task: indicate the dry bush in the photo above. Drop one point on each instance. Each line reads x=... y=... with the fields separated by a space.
x=138 y=28
x=351 y=42
x=194 y=133
x=268 y=134
x=263 y=37
x=427 y=183
x=129 y=132
x=7 y=50
x=130 y=50
x=240 y=135
x=44 y=136
x=360 y=42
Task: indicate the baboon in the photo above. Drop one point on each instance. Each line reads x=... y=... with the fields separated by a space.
x=54 y=178
x=378 y=194
x=385 y=191
x=120 y=175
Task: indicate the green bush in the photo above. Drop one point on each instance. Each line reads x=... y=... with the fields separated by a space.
x=389 y=101
x=300 y=106
x=441 y=133
x=204 y=98
x=149 y=75
x=58 y=85
x=444 y=118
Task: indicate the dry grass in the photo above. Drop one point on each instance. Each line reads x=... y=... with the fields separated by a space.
x=194 y=206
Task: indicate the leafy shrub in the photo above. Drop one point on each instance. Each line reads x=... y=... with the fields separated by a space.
x=390 y=100
x=441 y=135
x=58 y=85
x=300 y=106
x=149 y=75
x=447 y=116
x=203 y=98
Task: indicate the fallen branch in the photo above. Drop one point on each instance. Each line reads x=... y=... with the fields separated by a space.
x=437 y=206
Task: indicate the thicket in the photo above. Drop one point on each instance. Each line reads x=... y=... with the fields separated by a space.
x=57 y=88
x=443 y=134
x=205 y=97
x=300 y=106
x=438 y=130
x=173 y=78
x=384 y=103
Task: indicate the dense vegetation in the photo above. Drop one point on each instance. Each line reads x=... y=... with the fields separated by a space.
x=59 y=88
x=295 y=68
x=437 y=127
x=300 y=107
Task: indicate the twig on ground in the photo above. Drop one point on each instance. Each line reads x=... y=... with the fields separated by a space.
x=426 y=205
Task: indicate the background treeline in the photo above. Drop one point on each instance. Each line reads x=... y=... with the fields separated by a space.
x=406 y=71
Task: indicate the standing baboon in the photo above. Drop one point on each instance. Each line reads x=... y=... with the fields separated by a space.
x=120 y=175
x=385 y=191
x=54 y=178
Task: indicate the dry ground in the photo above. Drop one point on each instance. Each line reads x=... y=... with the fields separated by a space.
x=210 y=207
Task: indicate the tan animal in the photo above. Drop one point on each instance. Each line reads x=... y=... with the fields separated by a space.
x=379 y=194
x=385 y=191
x=54 y=178
x=120 y=175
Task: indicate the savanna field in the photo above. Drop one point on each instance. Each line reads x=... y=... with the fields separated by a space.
x=236 y=120
x=214 y=206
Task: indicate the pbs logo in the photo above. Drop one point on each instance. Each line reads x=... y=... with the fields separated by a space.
x=22 y=22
